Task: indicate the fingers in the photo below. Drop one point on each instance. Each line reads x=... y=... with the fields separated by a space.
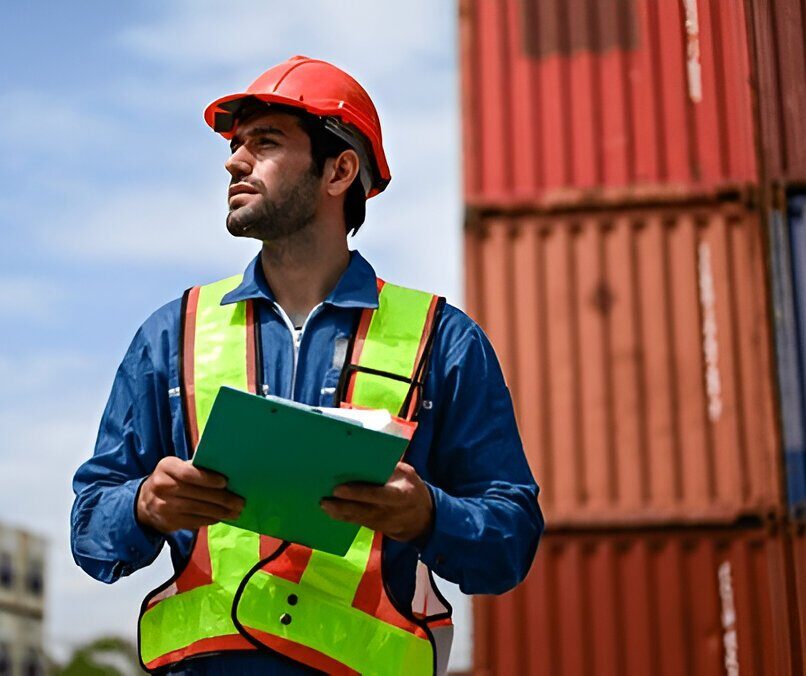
x=365 y=493
x=216 y=496
x=401 y=509
x=178 y=495
x=353 y=512
x=391 y=493
x=179 y=478
x=184 y=471
x=198 y=508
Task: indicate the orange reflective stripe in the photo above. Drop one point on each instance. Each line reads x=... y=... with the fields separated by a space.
x=302 y=654
x=369 y=599
x=187 y=375
x=346 y=596
x=199 y=568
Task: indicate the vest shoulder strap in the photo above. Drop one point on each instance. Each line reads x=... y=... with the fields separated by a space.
x=390 y=351
x=208 y=327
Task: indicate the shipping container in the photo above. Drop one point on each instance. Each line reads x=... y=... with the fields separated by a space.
x=778 y=47
x=688 y=602
x=797 y=589
x=787 y=235
x=636 y=346
x=571 y=99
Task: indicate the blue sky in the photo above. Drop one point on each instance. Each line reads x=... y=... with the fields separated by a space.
x=112 y=202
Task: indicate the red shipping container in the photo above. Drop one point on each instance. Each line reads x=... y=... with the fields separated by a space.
x=797 y=575
x=778 y=39
x=565 y=99
x=668 y=603
x=637 y=349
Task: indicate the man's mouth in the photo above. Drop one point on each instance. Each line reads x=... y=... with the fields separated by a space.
x=242 y=189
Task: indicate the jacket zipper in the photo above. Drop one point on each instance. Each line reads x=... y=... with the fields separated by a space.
x=296 y=340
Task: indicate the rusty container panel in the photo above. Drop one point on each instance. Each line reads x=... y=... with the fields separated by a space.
x=563 y=99
x=670 y=603
x=797 y=590
x=637 y=349
x=778 y=30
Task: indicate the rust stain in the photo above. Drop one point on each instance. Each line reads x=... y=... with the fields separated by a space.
x=602 y=298
x=550 y=27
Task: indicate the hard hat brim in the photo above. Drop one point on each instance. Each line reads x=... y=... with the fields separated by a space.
x=221 y=114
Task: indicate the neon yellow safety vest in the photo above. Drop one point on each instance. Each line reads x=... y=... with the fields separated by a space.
x=243 y=591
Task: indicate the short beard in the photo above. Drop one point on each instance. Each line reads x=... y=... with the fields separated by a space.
x=269 y=220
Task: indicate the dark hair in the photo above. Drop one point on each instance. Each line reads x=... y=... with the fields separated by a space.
x=324 y=145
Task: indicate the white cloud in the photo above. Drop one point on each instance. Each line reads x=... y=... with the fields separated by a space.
x=370 y=37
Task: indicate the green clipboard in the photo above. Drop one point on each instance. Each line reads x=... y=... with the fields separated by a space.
x=283 y=458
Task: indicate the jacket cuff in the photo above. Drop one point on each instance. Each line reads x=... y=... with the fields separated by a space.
x=142 y=541
x=435 y=548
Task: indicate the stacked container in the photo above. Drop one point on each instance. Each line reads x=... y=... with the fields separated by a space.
x=635 y=246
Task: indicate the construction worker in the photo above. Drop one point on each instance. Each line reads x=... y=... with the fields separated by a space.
x=307 y=320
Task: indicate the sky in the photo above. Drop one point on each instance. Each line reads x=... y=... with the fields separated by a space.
x=112 y=202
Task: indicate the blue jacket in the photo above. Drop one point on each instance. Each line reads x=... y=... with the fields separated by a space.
x=467 y=449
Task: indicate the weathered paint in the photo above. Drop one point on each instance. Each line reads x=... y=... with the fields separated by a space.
x=573 y=97
x=636 y=345
x=667 y=602
x=778 y=51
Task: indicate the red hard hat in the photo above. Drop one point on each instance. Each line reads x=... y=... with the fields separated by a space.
x=321 y=89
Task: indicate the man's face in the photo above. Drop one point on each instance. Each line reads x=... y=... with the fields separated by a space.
x=274 y=190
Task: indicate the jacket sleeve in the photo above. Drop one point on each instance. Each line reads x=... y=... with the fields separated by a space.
x=106 y=540
x=487 y=521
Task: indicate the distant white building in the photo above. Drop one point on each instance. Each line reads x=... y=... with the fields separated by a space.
x=22 y=603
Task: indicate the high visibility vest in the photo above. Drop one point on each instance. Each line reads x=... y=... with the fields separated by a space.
x=241 y=591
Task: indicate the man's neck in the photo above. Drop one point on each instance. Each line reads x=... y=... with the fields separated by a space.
x=303 y=269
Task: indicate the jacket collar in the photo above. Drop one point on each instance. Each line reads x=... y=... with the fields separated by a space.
x=357 y=286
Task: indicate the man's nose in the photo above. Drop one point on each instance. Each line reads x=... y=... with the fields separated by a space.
x=238 y=164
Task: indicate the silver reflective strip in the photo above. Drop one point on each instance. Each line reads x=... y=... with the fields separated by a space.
x=443 y=640
x=340 y=352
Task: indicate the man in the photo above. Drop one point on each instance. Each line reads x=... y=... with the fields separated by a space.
x=309 y=321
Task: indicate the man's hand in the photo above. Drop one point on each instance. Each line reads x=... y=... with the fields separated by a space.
x=178 y=495
x=401 y=509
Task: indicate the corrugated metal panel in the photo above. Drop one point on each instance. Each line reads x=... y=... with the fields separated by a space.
x=788 y=268
x=573 y=96
x=798 y=588
x=636 y=347
x=668 y=603
x=779 y=52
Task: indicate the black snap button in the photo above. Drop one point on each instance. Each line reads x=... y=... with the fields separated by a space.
x=292 y=600
x=440 y=558
x=285 y=618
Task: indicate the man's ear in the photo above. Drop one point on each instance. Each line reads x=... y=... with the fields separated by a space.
x=341 y=171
